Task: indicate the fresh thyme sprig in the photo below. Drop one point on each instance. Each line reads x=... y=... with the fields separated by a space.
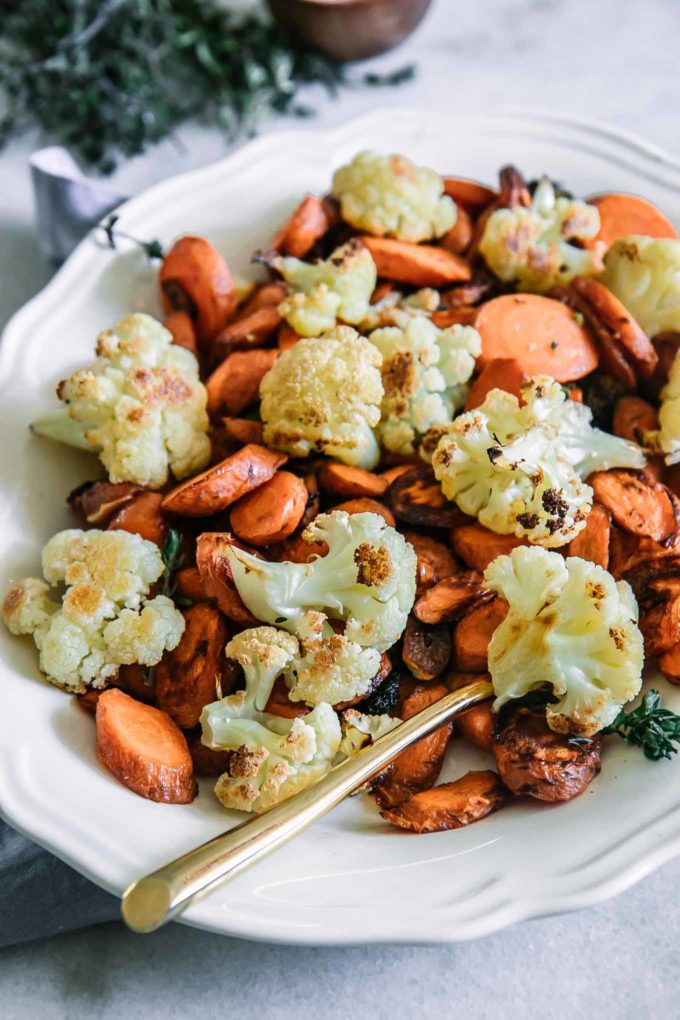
x=172 y=557
x=152 y=249
x=107 y=78
x=649 y=726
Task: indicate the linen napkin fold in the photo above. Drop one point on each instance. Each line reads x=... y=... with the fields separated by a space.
x=67 y=203
x=39 y=894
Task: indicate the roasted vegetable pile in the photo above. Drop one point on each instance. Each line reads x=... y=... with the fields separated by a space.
x=436 y=439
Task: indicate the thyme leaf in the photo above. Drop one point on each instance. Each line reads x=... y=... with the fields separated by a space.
x=649 y=726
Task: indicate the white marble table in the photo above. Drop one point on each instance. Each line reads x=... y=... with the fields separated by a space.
x=616 y=61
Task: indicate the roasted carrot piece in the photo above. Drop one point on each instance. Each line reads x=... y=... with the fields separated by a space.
x=666 y=345
x=636 y=502
x=310 y=221
x=271 y=293
x=352 y=482
x=286 y=337
x=364 y=505
x=188 y=677
x=451 y=805
x=450 y=598
x=660 y=624
x=454 y=317
x=280 y=704
x=624 y=330
x=477 y=546
x=296 y=550
x=183 y=331
x=474 y=632
x=246 y=334
x=420 y=265
x=189 y=585
x=235 y=384
x=633 y=416
x=458 y=239
x=98 y=501
x=208 y=761
x=391 y=473
x=592 y=543
x=384 y=288
x=535 y=761
x=88 y=700
x=669 y=664
x=271 y=512
x=499 y=373
x=313 y=506
x=137 y=681
x=144 y=516
x=418 y=766
x=243 y=430
x=476 y=724
x=435 y=560
x=144 y=749
x=223 y=484
x=217 y=578
x=415 y=496
x=426 y=650
x=621 y=215
x=194 y=278
x=538 y=332
x=469 y=195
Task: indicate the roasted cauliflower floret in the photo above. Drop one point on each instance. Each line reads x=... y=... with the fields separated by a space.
x=358 y=730
x=644 y=273
x=105 y=618
x=570 y=626
x=667 y=439
x=140 y=406
x=264 y=653
x=330 y=668
x=367 y=579
x=424 y=372
x=395 y=309
x=520 y=469
x=323 y=396
x=531 y=247
x=390 y=196
x=339 y=287
x=273 y=758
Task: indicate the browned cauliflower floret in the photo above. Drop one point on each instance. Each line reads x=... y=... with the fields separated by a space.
x=323 y=395
x=392 y=197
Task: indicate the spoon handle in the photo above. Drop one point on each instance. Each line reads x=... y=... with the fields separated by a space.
x=151 y=901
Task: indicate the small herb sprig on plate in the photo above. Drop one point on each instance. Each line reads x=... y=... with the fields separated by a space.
x=107 y=78
x=172 y=557
x=153 y=250
x=649 y=726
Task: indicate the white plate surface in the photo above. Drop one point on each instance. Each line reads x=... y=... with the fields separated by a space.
x=350 y=879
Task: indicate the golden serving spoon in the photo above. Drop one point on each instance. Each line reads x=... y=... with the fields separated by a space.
x=150 y=902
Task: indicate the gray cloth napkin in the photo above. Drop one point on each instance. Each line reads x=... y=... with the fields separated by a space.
x=39 y=895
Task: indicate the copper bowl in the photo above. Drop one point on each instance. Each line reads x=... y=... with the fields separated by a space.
x=349 y=29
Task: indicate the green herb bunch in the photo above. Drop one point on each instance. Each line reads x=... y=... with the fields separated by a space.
x=107 y=78
x=649 y=726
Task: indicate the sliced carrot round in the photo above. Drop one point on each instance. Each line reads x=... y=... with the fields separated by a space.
x=498 y=374
x=271 y=512
x=621 y=215
x=540 y=333
x=144 y=749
